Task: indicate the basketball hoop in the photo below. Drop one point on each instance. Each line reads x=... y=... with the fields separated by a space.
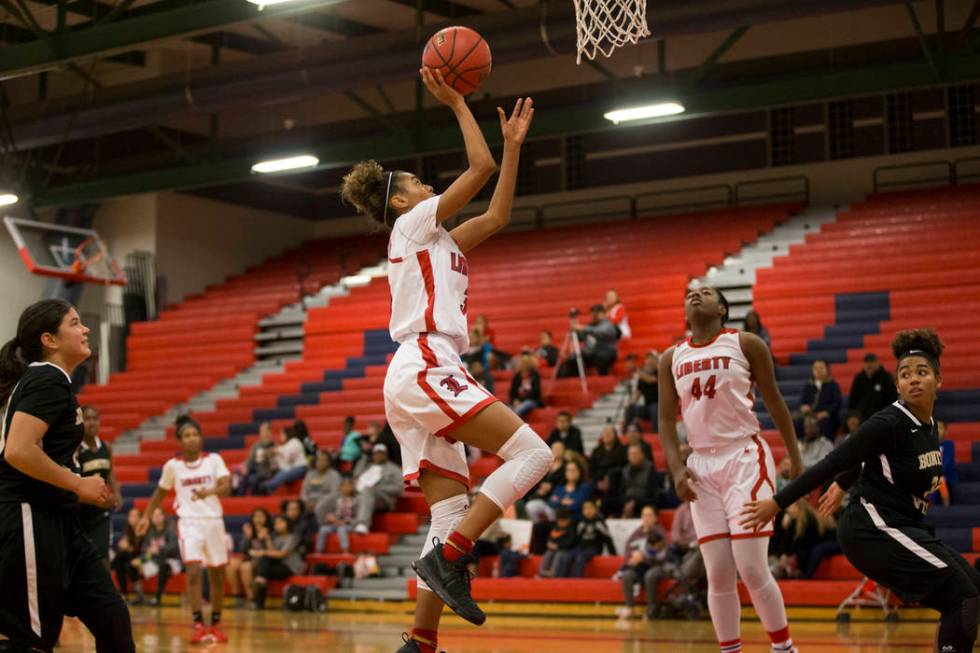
x=88 y=252
x=604 y=25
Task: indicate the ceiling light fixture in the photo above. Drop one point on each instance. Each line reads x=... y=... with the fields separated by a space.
x=289 y=163
x=658 y=110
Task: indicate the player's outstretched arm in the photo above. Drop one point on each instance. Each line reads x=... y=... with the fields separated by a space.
x=155 y=500
x=473 y=232
x=684 y=478
x=760 y=360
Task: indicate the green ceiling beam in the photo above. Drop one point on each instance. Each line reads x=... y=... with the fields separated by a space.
x=548 y=122
x=134 y=32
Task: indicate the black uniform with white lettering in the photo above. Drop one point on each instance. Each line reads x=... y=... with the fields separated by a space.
x=882 y=531
x=96 y=521
x=48 y=565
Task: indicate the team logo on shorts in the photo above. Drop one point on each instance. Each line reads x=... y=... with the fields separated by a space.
x=451 y=384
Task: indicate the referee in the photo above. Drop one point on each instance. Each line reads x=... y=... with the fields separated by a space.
x=881 y=531
x=48 y=564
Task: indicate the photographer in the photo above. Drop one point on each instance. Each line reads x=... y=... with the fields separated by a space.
x=599 y=350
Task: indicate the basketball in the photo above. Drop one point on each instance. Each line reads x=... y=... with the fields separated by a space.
x=461 y=55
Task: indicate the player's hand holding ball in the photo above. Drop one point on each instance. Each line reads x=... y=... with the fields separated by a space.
x=433 y=80
x=758 y=513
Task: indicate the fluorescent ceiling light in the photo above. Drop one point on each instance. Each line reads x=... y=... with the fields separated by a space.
x=6 y=199
x=263 y=3
x=289 y=163
x=658 y=110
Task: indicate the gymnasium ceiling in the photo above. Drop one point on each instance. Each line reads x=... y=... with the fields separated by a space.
x=109 y=97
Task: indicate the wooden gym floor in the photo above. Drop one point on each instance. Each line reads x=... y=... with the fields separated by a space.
x=277 y=631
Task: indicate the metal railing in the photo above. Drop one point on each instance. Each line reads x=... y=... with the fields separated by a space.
x=906 y=175
x=794 y=188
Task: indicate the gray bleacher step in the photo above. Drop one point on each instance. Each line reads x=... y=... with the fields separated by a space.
x=404 y=549
x=369 y=595
x=400 y=562
x=290 y=316
x=414 y=540
x=281 y=347
x=379 y=584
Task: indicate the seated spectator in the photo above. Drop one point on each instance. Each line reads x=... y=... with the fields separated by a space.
x=260 y=466
x=753 y=324
x=814 y=446
x=599 y=349
x=822 y=398
x=560 y=547
x=482 y=326
x=481 y=373
x=338 y=512
x=377 y=434
x=798 y=532
x=160 y=556
x=873 y=389
x=592 y=537
x=639 y=484
x=566 y=432
x=509 y=562
x=547 y=352
x=617 y=314
x=636 y=568
x=782 y=473
x=536 y=505
x=291 y=462
x=125 y=563
x=634 y=435
x=608 y=457
x=951 y=476
x=309 y=444
x=379 y=484
x=644 y=392
x=490 y=357
x=525 y=388
x=278 y=558
x=350 y=446
x=298 y=519
x=684 y=543
x=320 y=482
x=240 y=568
x=573 y=492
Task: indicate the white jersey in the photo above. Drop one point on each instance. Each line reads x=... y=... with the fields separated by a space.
x=429 y=279
x=186 y=477
x=714 y=383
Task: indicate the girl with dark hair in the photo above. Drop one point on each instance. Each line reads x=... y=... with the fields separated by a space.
x=48 y=564
x=753 y=324
x=822 y=398
x=711 y=375
x=893 y=461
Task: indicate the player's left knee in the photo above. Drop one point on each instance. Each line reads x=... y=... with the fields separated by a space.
x=970 y=617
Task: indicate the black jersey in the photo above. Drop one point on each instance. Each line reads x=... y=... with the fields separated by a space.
x=45 y=393
x=96 y=461
x=902 y=464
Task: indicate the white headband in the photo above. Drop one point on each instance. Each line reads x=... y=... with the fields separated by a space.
x=384 y=218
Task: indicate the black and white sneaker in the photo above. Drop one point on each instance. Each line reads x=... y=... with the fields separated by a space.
x=450 y=581
x=410 y=645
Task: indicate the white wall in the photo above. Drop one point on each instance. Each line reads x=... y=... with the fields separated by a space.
x=18 y=287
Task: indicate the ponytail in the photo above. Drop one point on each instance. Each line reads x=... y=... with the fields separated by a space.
x=25 y=348
x=12 y=367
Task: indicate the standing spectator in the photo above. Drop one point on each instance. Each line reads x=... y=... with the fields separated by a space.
x=592 y=537
x=320 y=482
x=379 y=484
x=636 y=568
x=260 y=466
x=600 y=349
x=525 y=388
x=822 y=397
x=639 y=484
x=873 y=388
x=644 y=399
x=617 y=314
x=753 y=324
x=339 y=512
x=546 y=350
x=277 y=559
x=566 y=433
x=290 y=461
x=560 y=547
x=634 y=435
x=160 y=556
x=814 y=446
x=350 y=448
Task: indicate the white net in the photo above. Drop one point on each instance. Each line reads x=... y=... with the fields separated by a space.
x=604 y=25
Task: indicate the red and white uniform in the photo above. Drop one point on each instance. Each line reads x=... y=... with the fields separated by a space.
x=428 y=392
x=200 y=522
x=734 y=464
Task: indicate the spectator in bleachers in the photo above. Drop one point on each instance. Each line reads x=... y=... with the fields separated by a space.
x=592 y=537
x=278 y=558
x=566 y=433
x=377 y=435
x=379 y=485
x=240 y=567
x=560 y=548
x=822 y=398
x=782 y=473
x=814 y=446
x=338 y=513
x=797 y=534
x=873 y=388
x=309 y=444
x=295 y=513
x=599 y=348
x=607 y=458
x=509 y=562
x=482 y=326
x=291 y=463
x=617 y=314
x=951 y=475
x=320 y=482
x=639 y=484
x=350 y=447
x=634 y=435
x=536 y=504
x=643 y=404
x=546 y=351
x=160 y=556
x=125 y=562
x=574 y=491
x=525 y=388
x=753 y=324
x=483 y=376
x=260 y=466
x=637 y=567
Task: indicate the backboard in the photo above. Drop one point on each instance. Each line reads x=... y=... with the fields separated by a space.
x=69 y=253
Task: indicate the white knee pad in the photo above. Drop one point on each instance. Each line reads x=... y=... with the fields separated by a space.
x=446 y=516
x=526 y=460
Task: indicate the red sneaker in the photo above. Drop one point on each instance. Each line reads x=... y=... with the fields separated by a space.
x=200 y=634
x=218 y=634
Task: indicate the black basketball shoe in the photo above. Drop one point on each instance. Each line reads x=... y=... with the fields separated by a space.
x=410 y=646
x=450 y=581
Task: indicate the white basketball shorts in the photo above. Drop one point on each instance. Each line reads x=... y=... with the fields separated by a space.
x=203 y=540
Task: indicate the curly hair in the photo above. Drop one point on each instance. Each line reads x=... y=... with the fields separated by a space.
x=365 y=188
x=924 y=340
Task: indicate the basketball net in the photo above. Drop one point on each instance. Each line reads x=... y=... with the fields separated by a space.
x=604 y=25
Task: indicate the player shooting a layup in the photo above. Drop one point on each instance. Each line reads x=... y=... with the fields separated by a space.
x=431 y=402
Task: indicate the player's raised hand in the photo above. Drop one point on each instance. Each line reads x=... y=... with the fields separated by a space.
x=516 y=126
x=757 y=514
x=830 y=500
x=432 y=78
x=684 y=482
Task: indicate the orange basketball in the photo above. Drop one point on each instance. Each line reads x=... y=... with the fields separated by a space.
x=461 y=55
